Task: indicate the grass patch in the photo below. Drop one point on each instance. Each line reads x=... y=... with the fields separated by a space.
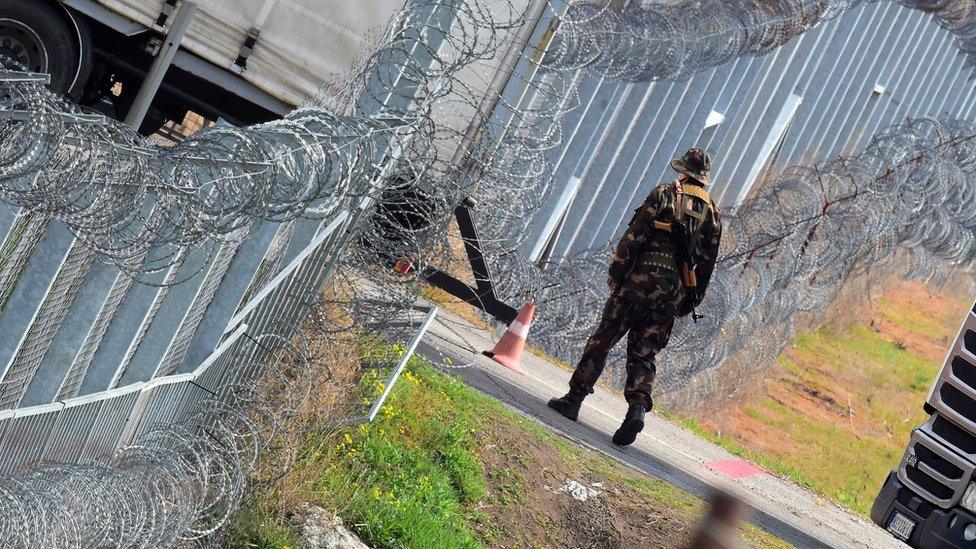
x=260 y=528
x=446 y=466
x=882 y=363
x=781 y=468
x=841 y=405
x=407 y=478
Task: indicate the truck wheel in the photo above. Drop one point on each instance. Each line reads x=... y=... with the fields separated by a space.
x=35 y=35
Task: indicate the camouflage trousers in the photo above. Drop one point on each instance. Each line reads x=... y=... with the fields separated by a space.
x=648 y=333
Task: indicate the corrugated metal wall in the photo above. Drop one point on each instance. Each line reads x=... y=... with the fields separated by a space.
x=825 y=93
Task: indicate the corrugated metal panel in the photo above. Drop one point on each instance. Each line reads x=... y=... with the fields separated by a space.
x=620 y=139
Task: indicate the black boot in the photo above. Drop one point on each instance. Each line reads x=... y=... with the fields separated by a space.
x=569 y=405
x=633 y=424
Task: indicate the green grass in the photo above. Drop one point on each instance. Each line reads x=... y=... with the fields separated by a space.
x=910 y=320
x=257 y=528
x=408 y=478
x=883 y=364
x=416 y=477
x=779 y=467
x=885 y=385
x=847 y=468
x=862 y=395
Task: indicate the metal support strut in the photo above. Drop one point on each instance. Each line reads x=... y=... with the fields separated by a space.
x=177 y=30
x=483 y=294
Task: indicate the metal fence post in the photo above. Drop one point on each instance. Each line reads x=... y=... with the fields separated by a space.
x=177 y=30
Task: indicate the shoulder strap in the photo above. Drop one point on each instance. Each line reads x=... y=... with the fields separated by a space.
x=679 y=192
x=707 y=208
x=698 y=192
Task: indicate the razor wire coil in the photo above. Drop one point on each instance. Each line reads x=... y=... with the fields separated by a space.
x=673 y=41
x=142 y=208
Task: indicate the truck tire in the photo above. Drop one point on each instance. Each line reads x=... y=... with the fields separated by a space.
x=85 y=45
x=34 y=34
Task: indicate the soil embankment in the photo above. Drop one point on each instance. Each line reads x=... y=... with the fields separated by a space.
x=840 y=404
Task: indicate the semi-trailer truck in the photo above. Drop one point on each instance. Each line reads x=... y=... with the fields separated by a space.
x=929 y=501
x=242 y=61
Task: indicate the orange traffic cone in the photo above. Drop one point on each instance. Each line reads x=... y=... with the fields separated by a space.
x=508 y=350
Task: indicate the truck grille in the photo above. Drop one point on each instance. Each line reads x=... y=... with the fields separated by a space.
x=963 y=370
x=952 y=435
x=954 y=392
x=960 y=405
x=935 y=465
x=933 y=471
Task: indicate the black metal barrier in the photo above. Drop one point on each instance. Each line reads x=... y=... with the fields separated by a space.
x=483 y=294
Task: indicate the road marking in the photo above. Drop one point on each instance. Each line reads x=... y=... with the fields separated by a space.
x=736 y=468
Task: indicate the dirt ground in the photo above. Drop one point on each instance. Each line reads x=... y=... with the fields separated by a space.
x=841 y=402
x=531 y=472
x=945 y=311
x=831 y=400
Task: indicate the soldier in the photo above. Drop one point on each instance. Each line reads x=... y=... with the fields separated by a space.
x=660 y=270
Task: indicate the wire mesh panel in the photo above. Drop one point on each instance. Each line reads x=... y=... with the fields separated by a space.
x=17 y=250
x=162 y=401
x=45 y=326
x=93 y=338
x=228 y=364
x=190 y=433
x=272 y=262
x=176 y=349
x=131 y=341
x=280 y=301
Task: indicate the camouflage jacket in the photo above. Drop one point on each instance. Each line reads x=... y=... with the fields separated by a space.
x=645 y=266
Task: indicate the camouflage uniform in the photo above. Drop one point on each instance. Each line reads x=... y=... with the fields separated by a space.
x=647 y=292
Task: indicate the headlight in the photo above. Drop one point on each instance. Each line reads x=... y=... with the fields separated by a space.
x=969 y=497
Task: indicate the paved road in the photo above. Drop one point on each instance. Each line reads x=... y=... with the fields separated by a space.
x=663 y=450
